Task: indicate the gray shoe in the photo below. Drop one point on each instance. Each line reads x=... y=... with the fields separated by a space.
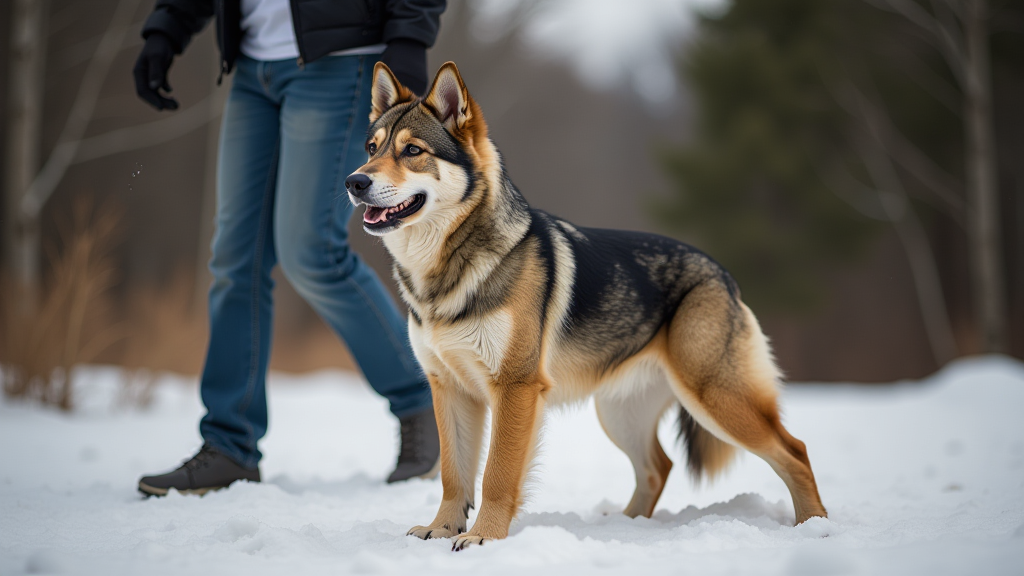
x=208 y=470
x=420 y=456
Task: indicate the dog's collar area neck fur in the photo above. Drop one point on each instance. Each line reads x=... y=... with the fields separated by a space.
x=500 y=221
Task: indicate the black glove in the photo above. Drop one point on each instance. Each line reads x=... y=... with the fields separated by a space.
x=408 y=60
x=151 y=71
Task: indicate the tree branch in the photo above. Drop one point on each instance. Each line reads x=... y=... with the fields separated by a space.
x=954 y=7
x=82 y=51
x=853 y=192
x=887 y=201
x=948 y=40
x=936 y=86
x=146 y=135
x=81 y=111
x=914 y=239
x=877 y=124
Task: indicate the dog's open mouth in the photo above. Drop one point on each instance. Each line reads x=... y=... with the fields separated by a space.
x=377 y=217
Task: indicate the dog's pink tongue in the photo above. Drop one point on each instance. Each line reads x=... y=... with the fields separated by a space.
x=373 y=215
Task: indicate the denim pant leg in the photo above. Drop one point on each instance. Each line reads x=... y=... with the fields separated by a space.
x=324 y=118
x=241 y=306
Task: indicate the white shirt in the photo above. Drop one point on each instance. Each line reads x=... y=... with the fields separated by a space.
x=268 y=32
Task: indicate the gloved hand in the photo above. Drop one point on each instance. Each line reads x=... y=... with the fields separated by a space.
x=151 y=71
x=407 y=59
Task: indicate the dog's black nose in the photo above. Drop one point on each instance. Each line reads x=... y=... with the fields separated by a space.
x=357 y=184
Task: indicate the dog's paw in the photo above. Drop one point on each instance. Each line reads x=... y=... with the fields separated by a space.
x=426 y=532
x=467 y=540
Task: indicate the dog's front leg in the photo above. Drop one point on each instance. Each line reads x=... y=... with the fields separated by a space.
x=516 y=418
x=460 y=424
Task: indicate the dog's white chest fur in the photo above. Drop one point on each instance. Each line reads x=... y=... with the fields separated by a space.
x=472 y=349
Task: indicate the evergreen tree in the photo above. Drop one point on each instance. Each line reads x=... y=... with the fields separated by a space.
x=757 y=186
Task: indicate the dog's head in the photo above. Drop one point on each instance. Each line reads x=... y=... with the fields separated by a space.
x=425 y=155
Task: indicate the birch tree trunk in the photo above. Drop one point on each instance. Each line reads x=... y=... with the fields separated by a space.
x=982 y=186
x=27 y=65
x=45 y=182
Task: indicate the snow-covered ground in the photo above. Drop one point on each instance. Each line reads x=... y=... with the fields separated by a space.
x=919 y=478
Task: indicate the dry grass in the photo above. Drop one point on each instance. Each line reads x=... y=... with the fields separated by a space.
x=168 y=332
x=69 y=321
x=77 y=318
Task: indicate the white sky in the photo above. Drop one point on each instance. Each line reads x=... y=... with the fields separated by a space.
x=609 y=42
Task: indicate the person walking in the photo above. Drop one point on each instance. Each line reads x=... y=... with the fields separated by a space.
x=294 y=127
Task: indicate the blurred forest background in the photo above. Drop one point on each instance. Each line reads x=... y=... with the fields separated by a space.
x=857 y=164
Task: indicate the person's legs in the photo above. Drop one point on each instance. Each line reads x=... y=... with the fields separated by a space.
x=233 y=381
x=324 y=118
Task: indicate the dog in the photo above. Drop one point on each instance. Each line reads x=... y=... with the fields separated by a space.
x=514 y=309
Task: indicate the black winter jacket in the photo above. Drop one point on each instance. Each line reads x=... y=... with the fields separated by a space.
x=321 y=26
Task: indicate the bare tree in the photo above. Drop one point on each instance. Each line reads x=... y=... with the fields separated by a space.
x=877 y=146
x=34 y=197
x=27 y=190
x=28 y=55
x=958 y=30
x=885 y=198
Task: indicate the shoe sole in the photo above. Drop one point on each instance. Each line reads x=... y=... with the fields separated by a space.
x=154 y=491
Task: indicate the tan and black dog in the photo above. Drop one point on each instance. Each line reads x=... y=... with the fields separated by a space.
x=515 y=309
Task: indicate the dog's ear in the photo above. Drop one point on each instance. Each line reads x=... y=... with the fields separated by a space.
x=386 y=92
x=448 y=98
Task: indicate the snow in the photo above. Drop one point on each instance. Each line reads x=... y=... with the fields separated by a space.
x=919 y=478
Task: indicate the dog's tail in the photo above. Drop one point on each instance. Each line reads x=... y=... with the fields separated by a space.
x=706 y=455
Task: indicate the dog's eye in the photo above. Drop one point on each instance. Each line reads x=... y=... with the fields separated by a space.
x=371 y=148
x=413 y=150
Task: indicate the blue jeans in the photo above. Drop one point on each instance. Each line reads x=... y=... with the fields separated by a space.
x=289 y=139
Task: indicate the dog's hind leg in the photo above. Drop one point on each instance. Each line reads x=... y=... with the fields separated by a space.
x=631 y=422
x=723 y=373
x=460 y=425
